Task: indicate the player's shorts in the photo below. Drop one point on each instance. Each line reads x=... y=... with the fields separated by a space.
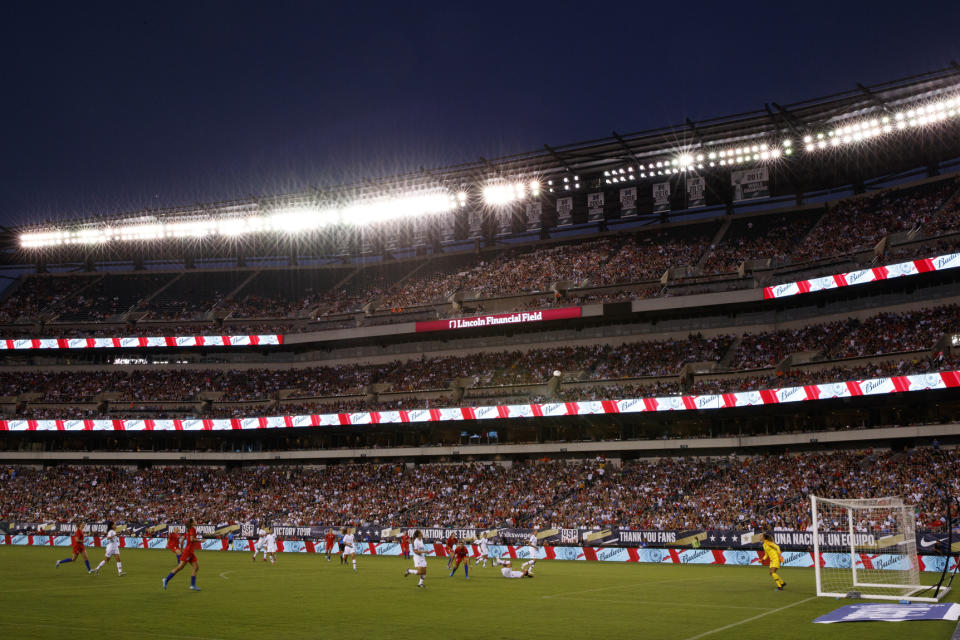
x=188 y=556
x=510 y=573
x=113 y=550
x=348 y=550
x=329 y=548
x=775 y=564
x=420 y=562
x=271 y=548
x=534 y=552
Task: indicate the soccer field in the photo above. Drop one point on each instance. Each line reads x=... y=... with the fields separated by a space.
x=304 y=596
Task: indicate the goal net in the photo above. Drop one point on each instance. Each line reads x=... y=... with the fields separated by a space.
x=867 y=548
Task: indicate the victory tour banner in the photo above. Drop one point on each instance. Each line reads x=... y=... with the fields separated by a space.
x=763 y=397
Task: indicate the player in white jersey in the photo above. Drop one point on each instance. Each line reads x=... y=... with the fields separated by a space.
x=534 y=546
x=508 y=572
x=260 y=544
x=349 y=548
x=112 y=546
x=419 y=559
x=484 y=549
x=270 y=547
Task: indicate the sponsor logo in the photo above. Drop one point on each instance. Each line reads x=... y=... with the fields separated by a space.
x=945 y=262
x=854 y=276
x=652 y=555
x=783 y=289
x=740 y=557
x=926 y=542
x=869 y=386
x=693 y=556
x=566 y=553
x=787 y=393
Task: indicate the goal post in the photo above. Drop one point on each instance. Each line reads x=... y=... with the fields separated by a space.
x=867 y=548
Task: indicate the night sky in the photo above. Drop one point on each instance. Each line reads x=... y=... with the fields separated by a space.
x=116 y=107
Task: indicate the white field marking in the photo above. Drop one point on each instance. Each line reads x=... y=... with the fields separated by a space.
x=112 y=630
x=223 y=574
x=618 y=586
x=663 y=604
x=756 y=617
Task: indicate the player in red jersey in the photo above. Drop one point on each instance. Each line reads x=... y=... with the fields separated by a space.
x=76 y=542
x=451 y=544
x=405 y=545
x=173 y=543
x=460 y=557
x=191 y=542
x=329 y=539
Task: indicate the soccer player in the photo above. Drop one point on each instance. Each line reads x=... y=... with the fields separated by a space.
x=508 y=572
x=405 y=544
x=460 y=557
x=347 y=544
x=771 y=552
x=112 y=545
x=484 y=545
x=76 y=542
x=534 y=545
x=173 y=543
x=330 y=538
x=450 y=546
x=260 y=544
x=419 y=559
x=270 y=547
x=188 y=556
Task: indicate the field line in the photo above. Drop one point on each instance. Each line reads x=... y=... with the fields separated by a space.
x=112 y=630
x=756 y=617
x=223 y=574
x=662 y=604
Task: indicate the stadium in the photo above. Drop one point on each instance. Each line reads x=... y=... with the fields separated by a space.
x=616 y=364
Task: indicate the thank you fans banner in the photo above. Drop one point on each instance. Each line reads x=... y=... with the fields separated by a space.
x=139 y=341
x=521 y=317
x=750 y=184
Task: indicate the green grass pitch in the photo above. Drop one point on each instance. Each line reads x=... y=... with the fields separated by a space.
x=304 y=596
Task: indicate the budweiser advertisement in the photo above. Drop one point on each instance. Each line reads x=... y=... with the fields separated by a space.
x=141 y=341
x=863 y=276
x=805 y=393
x=520 y=317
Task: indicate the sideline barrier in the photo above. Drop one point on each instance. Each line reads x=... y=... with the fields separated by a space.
x=648 y=555
x=825 y=391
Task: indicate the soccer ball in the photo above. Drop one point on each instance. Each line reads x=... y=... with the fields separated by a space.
x=556 y=373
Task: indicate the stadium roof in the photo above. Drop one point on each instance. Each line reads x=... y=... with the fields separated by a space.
x=809 y=146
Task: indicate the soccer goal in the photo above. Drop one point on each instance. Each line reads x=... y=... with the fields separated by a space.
x=867 y=548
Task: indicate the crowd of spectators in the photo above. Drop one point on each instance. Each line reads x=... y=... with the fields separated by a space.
x=861 y=222
x=760 y=492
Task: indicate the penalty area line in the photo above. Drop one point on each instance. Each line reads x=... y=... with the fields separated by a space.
x=756 y=617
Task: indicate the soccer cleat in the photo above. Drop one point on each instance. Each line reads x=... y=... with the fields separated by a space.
x=164 y=581
x=121 y=574
x=421 y=586
x=194 y=587
x=405 y=574
x=782 y=586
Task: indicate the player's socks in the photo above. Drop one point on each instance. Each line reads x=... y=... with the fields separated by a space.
x=86 y=562
x=119 y=568
x=66 y=560
x=100 y=566
x=178 y=558
x=466 y=570
x=420 y=584
x=354 y=564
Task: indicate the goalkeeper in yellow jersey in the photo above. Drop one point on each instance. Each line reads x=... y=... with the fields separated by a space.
x=771 y=553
